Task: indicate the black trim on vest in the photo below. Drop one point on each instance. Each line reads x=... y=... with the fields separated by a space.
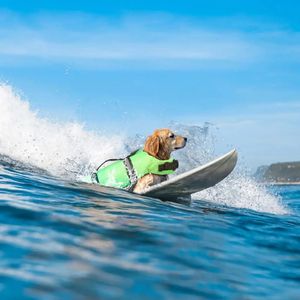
x=108 y=160
x=115 y=159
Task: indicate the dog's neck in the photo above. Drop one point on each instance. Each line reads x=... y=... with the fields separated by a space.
x=163 y=155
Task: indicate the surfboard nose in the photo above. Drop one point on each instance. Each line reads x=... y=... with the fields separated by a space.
x=234 y=156
x=195 y=180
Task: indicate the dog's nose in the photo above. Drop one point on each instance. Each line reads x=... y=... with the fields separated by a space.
x=185 y=139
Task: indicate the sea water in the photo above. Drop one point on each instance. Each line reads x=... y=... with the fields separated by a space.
x=62 y=239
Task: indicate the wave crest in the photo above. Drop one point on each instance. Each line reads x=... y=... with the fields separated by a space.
x=70 y=150
x=61 y=149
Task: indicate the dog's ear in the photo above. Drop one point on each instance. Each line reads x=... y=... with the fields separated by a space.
x=152 y=145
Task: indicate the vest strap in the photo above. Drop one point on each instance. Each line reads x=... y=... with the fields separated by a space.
x=131 y=173
x=94 y=178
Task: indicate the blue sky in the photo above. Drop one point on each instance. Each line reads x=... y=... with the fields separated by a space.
x=137 y=65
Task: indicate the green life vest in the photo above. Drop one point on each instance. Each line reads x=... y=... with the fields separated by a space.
x=119 y=174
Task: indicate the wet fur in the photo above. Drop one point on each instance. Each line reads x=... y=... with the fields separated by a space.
x=160 y=145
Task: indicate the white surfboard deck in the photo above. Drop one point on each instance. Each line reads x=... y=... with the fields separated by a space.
x=195 y=180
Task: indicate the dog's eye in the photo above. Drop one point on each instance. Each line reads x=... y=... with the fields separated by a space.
x=172 y=135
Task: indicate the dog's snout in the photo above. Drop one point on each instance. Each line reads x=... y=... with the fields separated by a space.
x=185 y=139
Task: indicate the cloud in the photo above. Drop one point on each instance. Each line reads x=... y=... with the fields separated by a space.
x=155 y=39
x=149 y=40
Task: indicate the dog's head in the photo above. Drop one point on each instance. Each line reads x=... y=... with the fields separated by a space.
x=162 y=142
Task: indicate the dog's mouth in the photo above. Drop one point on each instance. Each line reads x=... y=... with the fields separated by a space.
x=180 y=147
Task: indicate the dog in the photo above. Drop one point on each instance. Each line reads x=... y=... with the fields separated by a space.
x=159 y=145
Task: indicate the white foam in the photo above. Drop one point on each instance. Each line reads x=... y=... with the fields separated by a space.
x=69 y=149
x=241 y=191
x=58 y=148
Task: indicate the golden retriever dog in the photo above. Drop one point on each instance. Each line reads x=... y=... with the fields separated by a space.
x=160 y=145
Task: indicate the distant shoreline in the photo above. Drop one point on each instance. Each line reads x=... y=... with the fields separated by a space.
x=279 y=174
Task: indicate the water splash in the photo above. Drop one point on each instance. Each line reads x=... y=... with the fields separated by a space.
x=200 y=148
x=241 y=191
x=70 y=150
x=61 y=149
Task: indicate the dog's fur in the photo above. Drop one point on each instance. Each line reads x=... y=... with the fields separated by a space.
x=160 y=145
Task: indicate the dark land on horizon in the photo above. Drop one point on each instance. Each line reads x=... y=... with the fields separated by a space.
x=285 y=173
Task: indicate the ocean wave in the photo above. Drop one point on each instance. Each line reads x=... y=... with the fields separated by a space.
x=60 y=148
x=71 y=151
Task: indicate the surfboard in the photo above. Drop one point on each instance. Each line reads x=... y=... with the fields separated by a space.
x=184 y=185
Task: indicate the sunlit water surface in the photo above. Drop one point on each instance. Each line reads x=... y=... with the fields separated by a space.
x=65 y=240
x=60 y=240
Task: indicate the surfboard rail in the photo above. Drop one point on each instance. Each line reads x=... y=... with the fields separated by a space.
x=195 y=180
